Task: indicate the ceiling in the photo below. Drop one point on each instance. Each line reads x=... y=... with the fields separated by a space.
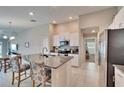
x=90 y=30
x=20 y=18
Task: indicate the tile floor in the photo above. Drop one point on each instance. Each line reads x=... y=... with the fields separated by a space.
x=84 y=76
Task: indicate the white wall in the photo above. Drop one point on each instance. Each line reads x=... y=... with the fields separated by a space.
x=70 y=27
x=101 y=19
x=34 y=36
x=118 y=21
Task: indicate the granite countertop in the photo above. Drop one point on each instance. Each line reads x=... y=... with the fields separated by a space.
x=120 y=67
x=63 y=53
x=50 y=61
x=56 y=61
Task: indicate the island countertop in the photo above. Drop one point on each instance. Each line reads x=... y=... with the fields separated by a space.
x=120 y=67
x=50 y=61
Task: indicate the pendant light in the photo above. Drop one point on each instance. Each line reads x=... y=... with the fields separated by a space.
x=12 y=37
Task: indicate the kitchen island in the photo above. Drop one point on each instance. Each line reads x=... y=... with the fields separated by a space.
x=58 y=65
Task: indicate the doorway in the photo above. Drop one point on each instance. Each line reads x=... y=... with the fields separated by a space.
x=90 y=48
x=89 y=44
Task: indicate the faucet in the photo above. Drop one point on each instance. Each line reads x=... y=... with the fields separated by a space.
x=43 y=50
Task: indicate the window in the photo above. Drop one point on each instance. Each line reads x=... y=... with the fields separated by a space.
x=0 y=48
x=13 y=47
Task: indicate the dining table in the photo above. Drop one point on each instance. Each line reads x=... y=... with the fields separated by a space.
x=58 y=67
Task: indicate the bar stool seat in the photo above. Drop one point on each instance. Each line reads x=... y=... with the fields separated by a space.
x=23 y=68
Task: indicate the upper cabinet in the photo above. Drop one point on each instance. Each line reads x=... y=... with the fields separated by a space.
x=66 y=31
x=61 y=37
x=74 y=39
x=56 y=40
x=64 y=36
x=118 y=21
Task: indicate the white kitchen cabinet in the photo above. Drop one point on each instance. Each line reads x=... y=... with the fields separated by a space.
x=74 y=61
x=74 y=39
x=56 y=40
x=111 y=26
x=118 y=21
x=60 y=37
x=64 y=36
x=119 y=78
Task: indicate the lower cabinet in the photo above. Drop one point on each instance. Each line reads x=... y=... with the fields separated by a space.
x=119 y=78
x=74 y=61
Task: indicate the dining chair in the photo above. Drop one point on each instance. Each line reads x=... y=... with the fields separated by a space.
x=2 y=65
x=19 y=69
x=39 y=72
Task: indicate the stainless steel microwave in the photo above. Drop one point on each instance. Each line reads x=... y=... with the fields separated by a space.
x=64 y=43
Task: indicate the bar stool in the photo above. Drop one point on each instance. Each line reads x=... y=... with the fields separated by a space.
x=39 y=72
x=2 y=65
x=18 y=68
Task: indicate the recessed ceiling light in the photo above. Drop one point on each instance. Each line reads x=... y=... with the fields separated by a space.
x=33 y=20
x=93 y=31
x=11 y=38
x=70 y=18
x=54 y=22
x=31 y=13
x=5 y=37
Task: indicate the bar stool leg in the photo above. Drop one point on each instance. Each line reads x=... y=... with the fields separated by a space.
x=13 y=76
x=5 y=66
x=19 y=79
x=33 y=83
